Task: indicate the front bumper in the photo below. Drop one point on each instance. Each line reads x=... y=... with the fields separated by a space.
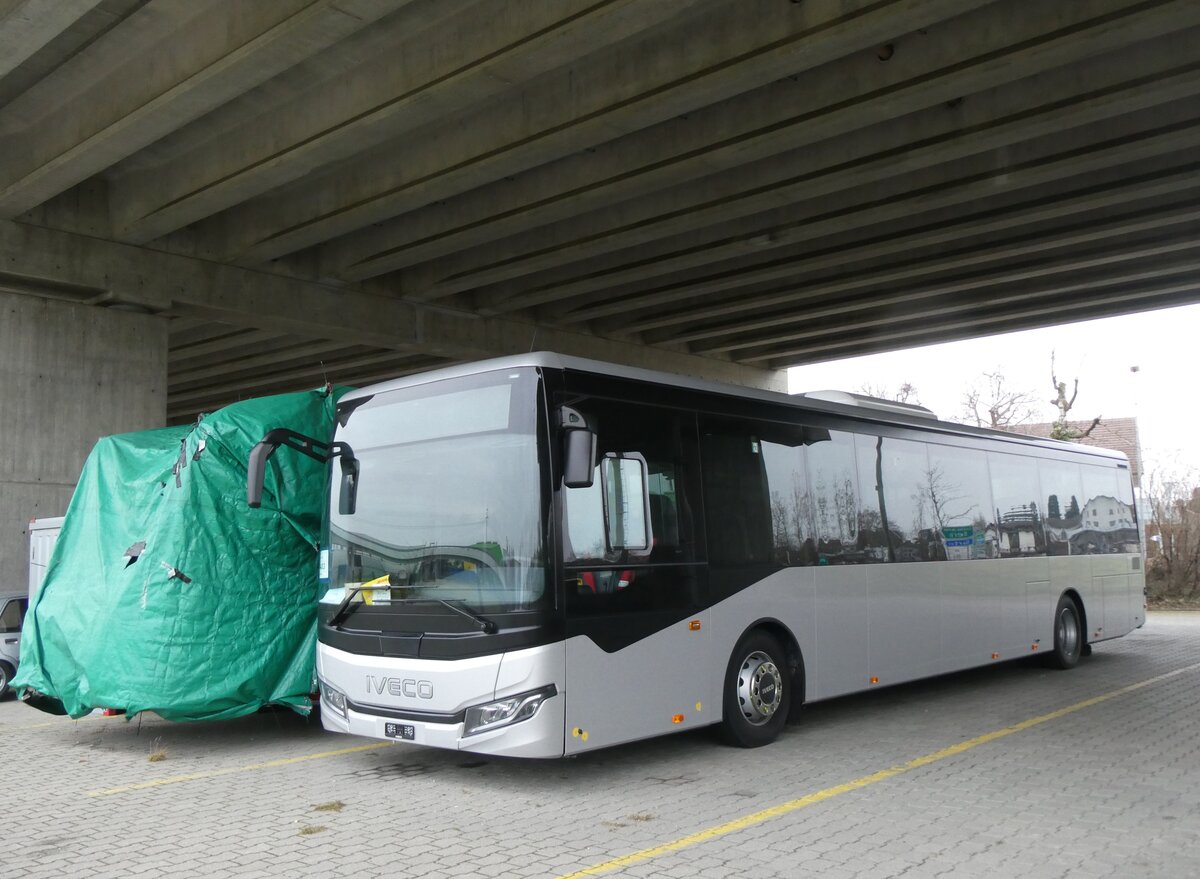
x=539 y=736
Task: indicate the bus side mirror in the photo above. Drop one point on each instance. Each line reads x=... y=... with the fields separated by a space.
x=579 y=449
x=256 y=466
x=255 y=469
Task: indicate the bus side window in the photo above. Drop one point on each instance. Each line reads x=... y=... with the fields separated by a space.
x=736 y=501
x=1018 y=517
x=664 y=508
x=1061 y=489
x=659 y=439
x=958 y=497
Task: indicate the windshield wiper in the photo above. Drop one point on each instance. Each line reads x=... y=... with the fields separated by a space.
x=341 y=612
x=485 y=625
x=488 y=627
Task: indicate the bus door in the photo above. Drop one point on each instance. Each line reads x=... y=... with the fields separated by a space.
x=635 y=587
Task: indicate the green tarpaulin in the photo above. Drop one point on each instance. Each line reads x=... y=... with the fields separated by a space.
x=166 y=592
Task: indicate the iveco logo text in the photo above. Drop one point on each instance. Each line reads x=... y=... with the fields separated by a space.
x=401 y=687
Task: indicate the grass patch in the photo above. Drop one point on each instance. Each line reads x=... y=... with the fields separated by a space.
x=157 y=756
x=334 y=806
x=310 y=829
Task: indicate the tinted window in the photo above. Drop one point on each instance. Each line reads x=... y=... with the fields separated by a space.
x=910 y=522
x=1108 y=520
x=1061 y=489
x=656 y=437
x=958 y=497
x=833 y=479
x=813 y=490
x=793 y=530
x=737 y=499
x=1018 y=514
x=602 y=581
x=873 y=544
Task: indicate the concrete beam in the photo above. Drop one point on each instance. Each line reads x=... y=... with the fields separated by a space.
x=905 y=334
x=991 y=120
x=270 y=303
x=943 y=237
x=432 y=70
x=304 y=377
x=28 y=25
x=300 y=372
x=973 y=180
x=725 y=50
x=278 y=358
x=940 y=63
x=134 y=85
x=1037 y=282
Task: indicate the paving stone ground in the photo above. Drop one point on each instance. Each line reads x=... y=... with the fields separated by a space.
x=1107 y=790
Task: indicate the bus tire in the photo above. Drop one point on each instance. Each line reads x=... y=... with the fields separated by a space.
x=757 y=692
x=1068 y=635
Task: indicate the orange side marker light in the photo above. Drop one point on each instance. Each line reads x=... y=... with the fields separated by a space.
x=677 y=718
x=874 y=679
x=694 y=625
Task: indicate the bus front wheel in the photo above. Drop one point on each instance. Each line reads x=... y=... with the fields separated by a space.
x=1068 y=635
x=758 y=691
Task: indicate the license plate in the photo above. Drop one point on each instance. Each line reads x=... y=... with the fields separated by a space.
x=400 y=731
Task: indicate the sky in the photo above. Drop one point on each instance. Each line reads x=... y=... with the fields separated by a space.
x=1163 y=393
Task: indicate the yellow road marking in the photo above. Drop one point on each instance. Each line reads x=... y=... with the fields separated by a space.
x=231 y=770
x=858 y=783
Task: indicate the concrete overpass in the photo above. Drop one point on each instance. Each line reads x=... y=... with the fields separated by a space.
x=713 y=187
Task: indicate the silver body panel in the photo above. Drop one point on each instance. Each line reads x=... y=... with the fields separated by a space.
x=893 y=623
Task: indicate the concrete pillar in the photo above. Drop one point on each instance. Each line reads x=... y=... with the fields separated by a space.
x=69 y=374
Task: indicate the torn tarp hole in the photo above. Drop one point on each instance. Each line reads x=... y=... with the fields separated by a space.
x=175 y=573
x=181 y=463
x=199 y=449
x=134 y=551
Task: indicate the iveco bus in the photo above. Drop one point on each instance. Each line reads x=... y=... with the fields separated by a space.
x=542 y=555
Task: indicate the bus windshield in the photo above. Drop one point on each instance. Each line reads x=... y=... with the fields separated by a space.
x=448 y=501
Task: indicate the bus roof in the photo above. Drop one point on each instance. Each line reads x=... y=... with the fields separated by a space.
x=821 y=402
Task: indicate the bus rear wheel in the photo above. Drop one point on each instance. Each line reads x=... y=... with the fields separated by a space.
x=757 y=693
x=1068 y=635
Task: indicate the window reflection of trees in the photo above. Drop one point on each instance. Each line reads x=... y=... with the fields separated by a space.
x=831 y=492
x=813 y=498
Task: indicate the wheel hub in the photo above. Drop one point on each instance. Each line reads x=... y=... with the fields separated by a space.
x=760 y=688
x=1068 y=631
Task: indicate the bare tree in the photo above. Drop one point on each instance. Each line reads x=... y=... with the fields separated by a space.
x=1173 y=536
x=991 y=403
x=906 y=392
x=1062 y=430
x=944 y=497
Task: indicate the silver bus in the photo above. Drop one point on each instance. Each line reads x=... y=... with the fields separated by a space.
x=541 y=555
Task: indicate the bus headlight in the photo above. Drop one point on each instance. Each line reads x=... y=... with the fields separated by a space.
x=505 y=712
x=335 y=699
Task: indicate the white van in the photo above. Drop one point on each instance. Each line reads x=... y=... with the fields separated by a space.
x=12 y=615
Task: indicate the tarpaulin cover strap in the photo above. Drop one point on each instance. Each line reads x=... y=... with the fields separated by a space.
x=166 y=592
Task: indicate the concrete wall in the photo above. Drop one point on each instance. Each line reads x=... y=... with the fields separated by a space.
x=69 y=374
